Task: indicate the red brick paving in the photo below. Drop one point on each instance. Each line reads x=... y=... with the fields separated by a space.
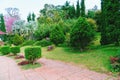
x=50 y=70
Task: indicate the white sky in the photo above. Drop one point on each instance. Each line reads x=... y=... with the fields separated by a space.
x=26 y=6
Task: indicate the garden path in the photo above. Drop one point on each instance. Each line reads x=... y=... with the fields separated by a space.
x=50 y=70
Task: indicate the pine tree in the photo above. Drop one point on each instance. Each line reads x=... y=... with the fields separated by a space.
x=2 y=24
x=29 y=18
x=83 y=8
x=110 y=21
x=78 y=9
x=33 y=17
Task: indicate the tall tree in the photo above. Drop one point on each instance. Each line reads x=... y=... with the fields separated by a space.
x=83 y=8
x=78 y=9
x=29 y=18
x=33 y=17
x=110 y=21
x=2 y=23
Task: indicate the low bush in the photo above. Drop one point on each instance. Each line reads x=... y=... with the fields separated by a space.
x=115 y=63
x=5 y=50
x=43 y=43
x=15 y=50
x=32 y=53
x=28 y=43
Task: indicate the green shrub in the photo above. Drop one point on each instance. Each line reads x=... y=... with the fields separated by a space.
x=15 y=50
x=43 y=43
x=17 y=40
x=5 y=50
x=32 y=53
x=28 y=43
x=81 y=34
x=57 y=36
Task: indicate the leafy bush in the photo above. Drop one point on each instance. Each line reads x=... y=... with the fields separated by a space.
x=32 y=53
x=17 y=40
x=43 y=31
x=5 y=50
x=15 y=50
x=57 y=35
x=92 y=23
x=115 y=62
x=81 y=34
x=43 y=43
x=28 y=42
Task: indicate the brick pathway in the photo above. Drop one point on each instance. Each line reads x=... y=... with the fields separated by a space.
x=50 y=70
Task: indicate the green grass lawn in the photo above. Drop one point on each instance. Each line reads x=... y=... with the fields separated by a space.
x=94 y=59
x=97 y=58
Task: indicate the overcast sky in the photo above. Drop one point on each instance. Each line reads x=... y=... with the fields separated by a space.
x=26 y=6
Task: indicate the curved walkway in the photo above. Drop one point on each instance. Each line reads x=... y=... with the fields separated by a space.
x=50 y=70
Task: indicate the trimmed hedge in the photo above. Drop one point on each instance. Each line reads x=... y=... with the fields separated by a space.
x=32 y=53
x=5 y=50
x=15 y=50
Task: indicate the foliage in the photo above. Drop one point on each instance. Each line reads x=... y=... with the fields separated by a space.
x=5 y=50
x=110 y=22
x=57 y=35
x=82 y=8
x=2 y=26
x=77 y=9
x=28 y=43
x=17 y=40
x=42 y=31
x=81 y=34
x=32 y=53
x=92 y=23
x=31 y=17
x=15 y=50
x=115 y=62
x=43 y=43
x=91 y=14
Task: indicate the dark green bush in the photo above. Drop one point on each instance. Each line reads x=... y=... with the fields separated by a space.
x=43 y=43
x=5 y=50
x=32 y=53
x=15 y=50
x=81 y=34
x=28 y=43
x=17 y=40
x=57 y=36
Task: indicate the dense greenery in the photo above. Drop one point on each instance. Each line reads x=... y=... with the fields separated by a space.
x=81 y=34
x=5 y=50
x=32 y=53
x=57 y=35
x=110 y=22
x=15 y=50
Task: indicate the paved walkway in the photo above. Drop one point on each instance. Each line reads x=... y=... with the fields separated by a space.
x=50 y=70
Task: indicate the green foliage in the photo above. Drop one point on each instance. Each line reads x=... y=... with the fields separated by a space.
x=57 y=35
x=15 y=50
x=91 y=14
x=78 y=9
x=32 y=53
x=82 y=8
x=43 y=43
x=110 y=21
x=5 y=50
x=17 y=40
x=81 y=34
x=43 y=31
x=2 y=27
x=28 y=43
x=92 y=23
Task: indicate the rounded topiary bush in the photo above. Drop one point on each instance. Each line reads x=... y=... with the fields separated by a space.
x=5 y=50
x=43 y=43
x=17 y=40
x=15 y=50
x=81 y=34
x=32 y=53
x=57 y=36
